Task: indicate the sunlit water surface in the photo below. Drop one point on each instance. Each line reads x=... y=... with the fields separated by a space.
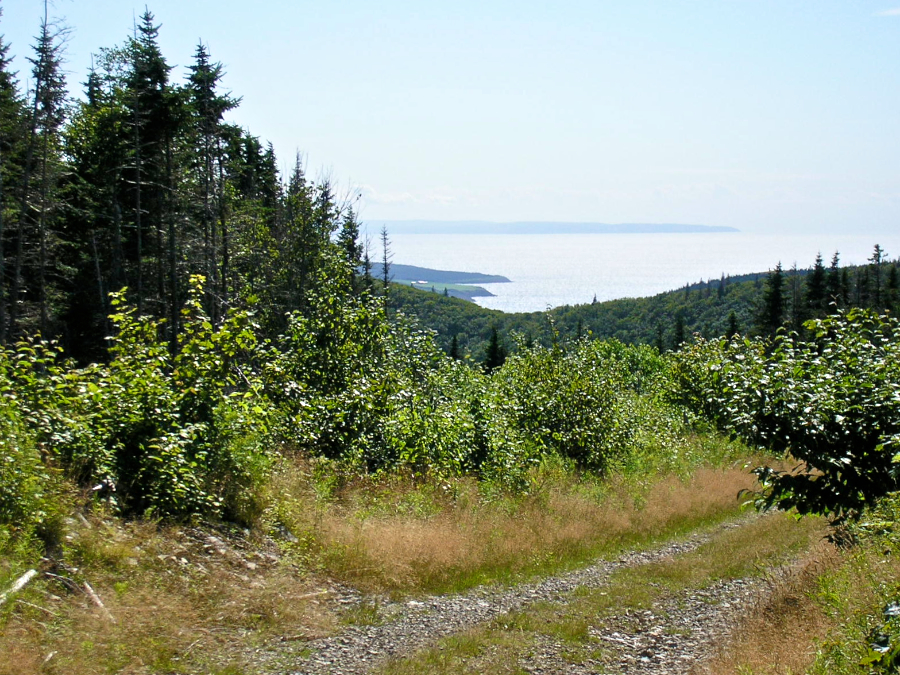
x=548 y=270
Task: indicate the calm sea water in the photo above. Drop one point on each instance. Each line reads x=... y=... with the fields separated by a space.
x=549 y=270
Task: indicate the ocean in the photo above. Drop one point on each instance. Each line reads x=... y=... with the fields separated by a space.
x=550 y=270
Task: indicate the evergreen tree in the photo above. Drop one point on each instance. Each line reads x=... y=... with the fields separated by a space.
x=12 y=134
x=833 y=282
x=40 y=202
x=155 y=109
x=817 y=289
x=348 y=242
x=207 y=108
x=679 y=337
x=368 y=282
x=798 y=313
x=454 y=347
x=877 y=259
x=733 y=327
x=386 y=257
x=495 y=353
x=771 y=316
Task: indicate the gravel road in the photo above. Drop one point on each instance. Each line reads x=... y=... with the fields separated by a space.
x=671 y=639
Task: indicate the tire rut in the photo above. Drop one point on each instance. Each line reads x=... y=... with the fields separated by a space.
x=416 y=624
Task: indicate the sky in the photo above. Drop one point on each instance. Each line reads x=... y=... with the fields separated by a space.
x=765 y=115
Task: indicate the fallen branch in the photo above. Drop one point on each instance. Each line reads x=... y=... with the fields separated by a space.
x=97 y=601
x=33 y=606
x=633 y=644
x=21 y=583
x=294 y=638
x=65 y=581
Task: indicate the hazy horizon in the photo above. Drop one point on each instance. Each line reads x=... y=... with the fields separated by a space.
x=760 y=115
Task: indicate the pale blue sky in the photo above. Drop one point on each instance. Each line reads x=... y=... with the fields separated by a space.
x=766 y=115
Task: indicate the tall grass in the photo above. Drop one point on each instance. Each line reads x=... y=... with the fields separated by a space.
x=407 y=535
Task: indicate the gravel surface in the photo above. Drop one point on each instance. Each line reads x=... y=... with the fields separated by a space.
x=668 y=640
x=673 y=638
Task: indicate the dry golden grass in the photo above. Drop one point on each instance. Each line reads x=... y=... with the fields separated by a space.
x=180 y=604
x=782 y=634
x=468 y=540
x=501 y=645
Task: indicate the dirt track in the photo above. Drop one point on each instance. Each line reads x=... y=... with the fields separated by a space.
x=672 y=638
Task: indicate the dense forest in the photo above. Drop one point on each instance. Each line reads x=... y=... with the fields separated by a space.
x=139 y=184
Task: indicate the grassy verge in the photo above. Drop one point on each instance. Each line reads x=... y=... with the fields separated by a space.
x=501 y=646
x=177 y=600
x=405 y=537
x=821 y=616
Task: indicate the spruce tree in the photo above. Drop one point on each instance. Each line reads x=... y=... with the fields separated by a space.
x=878 y=257
x=368 y=281
x=207 y=107
x=40 y=206
x=12 y=135
x=817 y=288
x=833 y=283
x=733 y=327
x=798 y=311
x=495 y=353
x=771 y=316
x=386 y=257
x=351 y=249
x=679 y=337
x=153 y=112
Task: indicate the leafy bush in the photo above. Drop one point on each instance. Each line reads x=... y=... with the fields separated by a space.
x=574 y=404
x=832 y=402
x=26 y=484
x=174 y=435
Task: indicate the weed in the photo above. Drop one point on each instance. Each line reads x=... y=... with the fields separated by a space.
x=364 y=614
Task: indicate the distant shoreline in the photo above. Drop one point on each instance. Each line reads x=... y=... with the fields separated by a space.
x=537 y=227
x=455 y=284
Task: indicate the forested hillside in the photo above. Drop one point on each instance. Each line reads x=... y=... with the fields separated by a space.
x=752 y=304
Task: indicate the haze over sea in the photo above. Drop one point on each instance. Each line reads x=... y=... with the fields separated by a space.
x=549 y=270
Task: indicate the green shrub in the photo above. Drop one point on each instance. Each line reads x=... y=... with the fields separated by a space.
x=832 y=402
x=152 y=432
x=574 y=404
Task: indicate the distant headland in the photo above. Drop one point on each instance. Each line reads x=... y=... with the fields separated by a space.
x=454 y=284
x=535 y=227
